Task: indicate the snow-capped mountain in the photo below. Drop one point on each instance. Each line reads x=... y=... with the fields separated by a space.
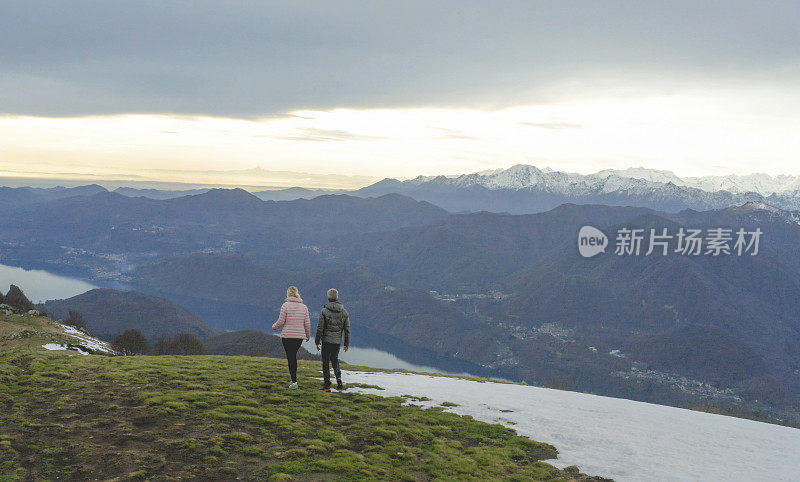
x=527 y=189
x=523 y=176
x=760 y=183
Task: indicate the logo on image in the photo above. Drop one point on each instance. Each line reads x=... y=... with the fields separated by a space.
x=591 y=241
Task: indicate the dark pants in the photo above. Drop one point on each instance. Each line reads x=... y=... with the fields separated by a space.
x=291 y=346
x=330 y=356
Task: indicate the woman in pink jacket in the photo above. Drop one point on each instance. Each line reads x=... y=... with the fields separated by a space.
x=296 y=326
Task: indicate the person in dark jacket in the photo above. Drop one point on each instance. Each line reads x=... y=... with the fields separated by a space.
x=334 y=322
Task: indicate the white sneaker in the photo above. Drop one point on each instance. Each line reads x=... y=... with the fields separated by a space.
x=293 y=386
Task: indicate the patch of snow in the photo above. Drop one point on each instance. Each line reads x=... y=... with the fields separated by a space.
x=57 y=347
x=621 y=439
x=54 y=346
x=72 y=330
x=88 y=341
x=617 y=353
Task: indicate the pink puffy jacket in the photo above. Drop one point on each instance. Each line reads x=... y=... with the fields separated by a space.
x=294 y=319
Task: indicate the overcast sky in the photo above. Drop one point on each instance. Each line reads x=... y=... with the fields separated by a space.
x=399 y=88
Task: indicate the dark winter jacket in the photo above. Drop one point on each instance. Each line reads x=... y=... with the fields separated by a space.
x=333 y=321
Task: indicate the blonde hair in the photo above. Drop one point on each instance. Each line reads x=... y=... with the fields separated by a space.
x=292 y=292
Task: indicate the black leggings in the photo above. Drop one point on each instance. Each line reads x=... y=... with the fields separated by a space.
x=291 y=346
x=330 y=356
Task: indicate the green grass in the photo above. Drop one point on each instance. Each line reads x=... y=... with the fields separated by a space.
x=208 y=417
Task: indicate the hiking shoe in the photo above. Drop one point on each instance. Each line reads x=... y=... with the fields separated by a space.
x=326 y=389
x=339 y=384
x=293 y=386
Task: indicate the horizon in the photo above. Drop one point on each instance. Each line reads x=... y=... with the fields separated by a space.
x=281 y=180
x=247 y=179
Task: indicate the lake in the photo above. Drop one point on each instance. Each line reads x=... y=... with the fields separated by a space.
x=372 y=357
x=40 y=286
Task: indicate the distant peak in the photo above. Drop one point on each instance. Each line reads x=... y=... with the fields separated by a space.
x=388 y=180
x=89 y=188
x=221 y=191
x=224 y=195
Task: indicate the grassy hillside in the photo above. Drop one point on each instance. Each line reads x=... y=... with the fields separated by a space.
x=64 y=415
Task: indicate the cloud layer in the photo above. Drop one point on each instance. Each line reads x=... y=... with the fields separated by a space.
x=260 y=59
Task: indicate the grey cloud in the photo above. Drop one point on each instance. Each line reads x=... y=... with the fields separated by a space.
x=250 y=58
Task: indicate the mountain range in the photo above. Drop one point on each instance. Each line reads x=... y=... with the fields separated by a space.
x=523 y=176
x=523 y=189
x=109 y=232
x=495 y=293
x=520 y=189
x=510 y=296
x=20 y=196
x=288 y=194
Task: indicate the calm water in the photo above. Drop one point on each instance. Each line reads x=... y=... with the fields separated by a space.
x=40 y=285
x=372 y=357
